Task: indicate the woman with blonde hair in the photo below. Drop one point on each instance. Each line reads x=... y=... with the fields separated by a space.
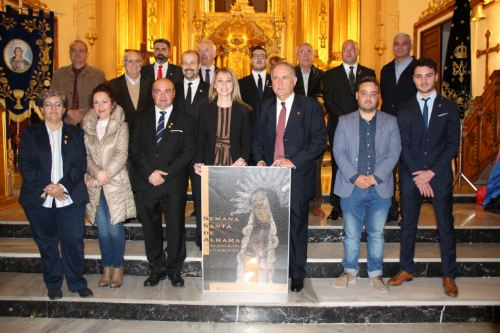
x=111 y=199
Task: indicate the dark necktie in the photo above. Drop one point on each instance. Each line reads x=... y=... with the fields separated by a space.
x=425 y=114
x=352 y=80
x=160 y=128
x=160 y=73
x=279 y=147
x=260 y=87
x=188 y=98
x=207 y=75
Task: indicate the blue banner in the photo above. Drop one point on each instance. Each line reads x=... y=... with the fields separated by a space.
x=27 y=48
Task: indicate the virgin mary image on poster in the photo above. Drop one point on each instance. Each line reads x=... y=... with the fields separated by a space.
x=18 y=56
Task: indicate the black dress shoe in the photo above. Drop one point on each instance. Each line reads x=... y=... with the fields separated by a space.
x=198 y=243
x=84 y=292
x=297 y=285
x=154 y=279
x=334 y=215
x=55 y=294
x=176 y=280
x=391 y=218
x=193 y=215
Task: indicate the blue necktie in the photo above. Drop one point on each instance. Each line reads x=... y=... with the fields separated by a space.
x=426 y=112
x=207 y=75
x=160 y=128
x=260 y=88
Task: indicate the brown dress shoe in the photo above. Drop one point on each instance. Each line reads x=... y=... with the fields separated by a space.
x=317 y=212
x=116 y=280
x=106 y=276
x=399 y=278
x=450 y=288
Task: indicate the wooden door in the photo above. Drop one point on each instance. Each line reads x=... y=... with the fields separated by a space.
x=430 y=46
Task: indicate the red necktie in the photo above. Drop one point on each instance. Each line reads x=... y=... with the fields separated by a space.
x=160 y=74
x=279 y=147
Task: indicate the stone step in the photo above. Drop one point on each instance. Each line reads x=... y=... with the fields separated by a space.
x=324 y=259
x=419 y=301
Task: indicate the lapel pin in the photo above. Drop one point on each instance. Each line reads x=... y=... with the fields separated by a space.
x=65 y=139
x=359 y=72
x=439 y=105
x=201 y=90
x=298 y=112
x=170 y=126
x=267 y=82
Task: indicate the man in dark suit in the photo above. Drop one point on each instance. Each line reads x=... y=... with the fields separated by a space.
x=162 y=143
x=134 y=90
x=340 y=86
x=207 y=51
x=257 y=86
x=290 y=132
x=192 y=97
x=310 y=83
x=396 y=84
x=430 y=136
x=162 y=68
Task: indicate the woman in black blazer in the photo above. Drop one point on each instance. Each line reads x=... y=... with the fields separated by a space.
x=224 y=134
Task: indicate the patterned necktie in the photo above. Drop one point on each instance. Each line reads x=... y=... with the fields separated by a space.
x=260 y=87
x=160 y=128
x=426 y=112
x=279 y=147
x=352 y=80
x=207 y=75
x=160 y=73
x=187 y=106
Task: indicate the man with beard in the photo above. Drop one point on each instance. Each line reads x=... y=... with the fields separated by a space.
x=191 y=96
x=430 y=136
x=207 y=51
x=161 y=68
x=366 y=148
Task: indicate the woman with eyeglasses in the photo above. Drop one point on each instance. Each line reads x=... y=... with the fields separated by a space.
x=52 y=162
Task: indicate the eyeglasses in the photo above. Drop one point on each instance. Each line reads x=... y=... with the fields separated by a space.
x=306 y=51
x=133 y=61
x=49 y=105
x=259 y=56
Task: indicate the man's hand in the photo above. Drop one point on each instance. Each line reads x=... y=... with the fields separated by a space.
x=75 y=116
x=363 y=182
x=156 y=177
x=55 y=191
x=426 y=190
x=197 y=168
x=372 y=180
x=261 y=163
x=423 y=177
x=240 y=162
x=103 y=177
x=283 y=162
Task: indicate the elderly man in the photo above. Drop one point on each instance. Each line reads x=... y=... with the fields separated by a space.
x=341 y=85
x=160 y=161
x=366 y=148
x=396 y=85
x=310 y=83
x=257 y=86
x=134 y=90
x=290 y=132
x=207 y=51
x=77 y=81
x=191 y=96
x=162 y=68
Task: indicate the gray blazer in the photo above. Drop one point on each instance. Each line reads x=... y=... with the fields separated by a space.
x=346 y=151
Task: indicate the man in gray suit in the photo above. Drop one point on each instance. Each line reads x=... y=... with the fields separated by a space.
x=366 y=148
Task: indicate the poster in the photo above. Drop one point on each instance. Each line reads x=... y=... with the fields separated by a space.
x=245 y=228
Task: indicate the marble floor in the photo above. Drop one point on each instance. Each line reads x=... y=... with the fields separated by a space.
x=39 y=325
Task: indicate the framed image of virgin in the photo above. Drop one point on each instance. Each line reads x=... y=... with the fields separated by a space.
x=245 y=226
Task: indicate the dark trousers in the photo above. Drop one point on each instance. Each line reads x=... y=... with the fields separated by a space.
x=318 y=196
x=334 y=199
x=196 y=187
x=443 y=209
x=66 y=225
x=151 y=207
x=299 y=214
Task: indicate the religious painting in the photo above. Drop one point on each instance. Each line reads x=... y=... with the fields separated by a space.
x=245 y=228
x=18 y=56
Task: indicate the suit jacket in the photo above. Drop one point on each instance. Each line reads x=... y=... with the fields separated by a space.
x=172 y=155
x=304 y=140
x=393 y=94
x=202 y=75
x=199 y=103
x=315 y=84
x=145 y=101
x=174 y=72
x=339 y=99
x=240 y=136
x=88 y=79
x=346 y=152
x=433 y=149
x=249 y=92
x=35 y=164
